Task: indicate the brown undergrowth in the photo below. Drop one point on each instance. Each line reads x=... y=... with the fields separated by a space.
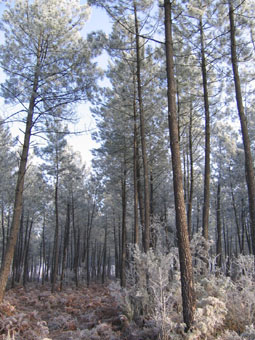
x=85 y=313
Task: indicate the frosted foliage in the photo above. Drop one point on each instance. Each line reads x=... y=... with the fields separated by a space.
x=195 y=10
x=43 y=40
x=209 y=317
x=225 y=305
x=155 y=288
x=200 y=247
x=43 y=14
x=241 y=297
x=248 y=334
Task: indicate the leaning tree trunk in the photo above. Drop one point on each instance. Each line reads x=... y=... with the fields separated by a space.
x=5 y=269
x=188 y=293
x=246 y=140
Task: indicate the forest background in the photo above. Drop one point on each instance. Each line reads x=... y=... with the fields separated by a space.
x=182 y=69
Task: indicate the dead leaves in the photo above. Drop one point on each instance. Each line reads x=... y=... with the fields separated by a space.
x=85 y=313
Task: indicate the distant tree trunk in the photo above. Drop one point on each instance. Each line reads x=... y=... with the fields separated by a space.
x=65 y=246
x=146 y=234
x=245 y=234
x=124 y=226
x=17 y=209
x=188 y=293
x=3 y=233
x=135 y=161
x=235 y=212
x=191 y=185
x=18 y=259
x=26 y=252
x=56 y=238
x=116 y=253
x=104 y=253
x=76 y=232
x=43 y=252
x=246 y=140
x=89 y=228
x=206 y=205
x=219 y=228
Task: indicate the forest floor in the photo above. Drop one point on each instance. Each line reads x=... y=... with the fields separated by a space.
x=84 y=313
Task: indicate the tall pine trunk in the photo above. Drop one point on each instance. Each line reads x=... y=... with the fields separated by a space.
x=206 y=205
x=56 y=239
x=135 y=164
x=188 y=293
x=246 y=140
x=124 y=223
x=191 y=164
x=17 y=209
x=219 y=227
x=146 y=233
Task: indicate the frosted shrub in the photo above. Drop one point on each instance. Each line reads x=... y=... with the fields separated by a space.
x=200 y=247
x=209 y=318
x=122 y=298
x=225 y=305
x=241 y=297
x=249 y=333
x=154 y=287
x=229 y=335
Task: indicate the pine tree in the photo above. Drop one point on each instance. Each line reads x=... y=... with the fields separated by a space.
x=43 y=58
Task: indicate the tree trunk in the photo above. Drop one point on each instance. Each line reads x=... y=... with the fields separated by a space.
x=104 y=253
x=146 y=233
x=206 y=205
x=3 y=234
x=65 y=245
x=89 y=228
x=246 y=140
x=135 y=161
x=43 y=252
x=219 y=228
x=26 y=252
x=235 y=212
x=17 y=209
x=116 y=253
x=191 y=185
x=56 y=239
x=124 y=226
x=188 y=293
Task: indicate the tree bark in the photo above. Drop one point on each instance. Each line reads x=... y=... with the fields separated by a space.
x=124 y=225
x=17 y=209
x=206 y=205
x=246 y=140
x=146 y=233
x=26 y=251
x=191 y=184
x=188 y=293
x=219 y=228
x=135 y=164
x=56 y=238
x=104 y=253
x=65 y=245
